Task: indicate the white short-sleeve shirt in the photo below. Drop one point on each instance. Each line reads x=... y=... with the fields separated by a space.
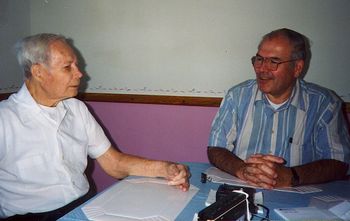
x=43 y=153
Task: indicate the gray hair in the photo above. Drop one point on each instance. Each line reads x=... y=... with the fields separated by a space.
x=300 y=43
x=34 y=49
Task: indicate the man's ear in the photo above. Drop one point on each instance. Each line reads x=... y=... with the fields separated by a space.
x=298 y=68
x=37 y=71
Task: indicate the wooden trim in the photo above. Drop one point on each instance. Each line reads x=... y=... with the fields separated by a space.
x=4 y=96
x=154 y=99
x=347 y=107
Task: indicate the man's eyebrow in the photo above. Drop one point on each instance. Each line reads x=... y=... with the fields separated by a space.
x=271 y=58
x=68 y=61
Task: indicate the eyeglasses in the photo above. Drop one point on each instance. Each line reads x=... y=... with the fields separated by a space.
x=270 y=63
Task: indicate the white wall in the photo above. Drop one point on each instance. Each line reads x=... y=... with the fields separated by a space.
x=192 y=47
x=14 y=24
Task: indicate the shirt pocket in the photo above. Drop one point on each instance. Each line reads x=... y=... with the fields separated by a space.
x=35 y=170
x=294 y=153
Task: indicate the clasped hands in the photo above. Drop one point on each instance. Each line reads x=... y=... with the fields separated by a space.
x=265 y=171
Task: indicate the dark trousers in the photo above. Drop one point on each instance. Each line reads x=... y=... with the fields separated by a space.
x=50 y=215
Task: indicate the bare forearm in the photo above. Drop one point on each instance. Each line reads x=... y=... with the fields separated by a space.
x=224 y=160
x=125 y=165
x=321 y=171
x=136 y=166
x=120 y=165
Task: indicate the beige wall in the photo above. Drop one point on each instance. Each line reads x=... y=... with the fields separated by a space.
x=183 y=47
x=14 y=24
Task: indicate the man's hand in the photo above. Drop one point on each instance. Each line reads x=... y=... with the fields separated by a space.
x=178 y=175
x=266 y=171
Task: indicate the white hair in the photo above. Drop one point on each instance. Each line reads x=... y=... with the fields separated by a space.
x=34 y=49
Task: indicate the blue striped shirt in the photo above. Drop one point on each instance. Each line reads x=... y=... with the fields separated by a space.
x=308 y=127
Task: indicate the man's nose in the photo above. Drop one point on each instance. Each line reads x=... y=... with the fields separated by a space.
x=78 y=73
x=264 y=66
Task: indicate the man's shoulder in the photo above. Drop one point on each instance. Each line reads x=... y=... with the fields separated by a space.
x=319 y=91
x=9 y=108
x=245 y=85
x=3 y=103
x=74 y=103
x=241 y=94
x=6 y=103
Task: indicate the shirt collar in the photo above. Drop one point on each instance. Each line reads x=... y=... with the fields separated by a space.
x=25 y=100
x=295 y=100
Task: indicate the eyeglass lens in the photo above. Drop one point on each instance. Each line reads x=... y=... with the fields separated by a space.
x=258 y=61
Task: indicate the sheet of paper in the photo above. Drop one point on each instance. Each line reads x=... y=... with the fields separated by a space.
x=147 y=199
x=259 y=199
x=211 y=197
x=218 y=176
x=327 y=201
x=330 y=198
x=342 y=210
x=305 y=213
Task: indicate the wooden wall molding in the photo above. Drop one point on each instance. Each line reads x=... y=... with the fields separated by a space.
x=154 y=99
x=4 y=96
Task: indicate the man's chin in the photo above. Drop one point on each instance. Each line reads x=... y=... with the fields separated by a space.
x=263 y=87
x=72 y=93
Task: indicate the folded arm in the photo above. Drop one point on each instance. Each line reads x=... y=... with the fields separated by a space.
x=268 y=171
x=249 y=172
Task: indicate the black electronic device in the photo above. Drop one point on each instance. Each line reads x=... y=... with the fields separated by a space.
x=225 y=189
x=232 y=206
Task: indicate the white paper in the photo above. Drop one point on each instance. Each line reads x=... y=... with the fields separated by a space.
x=339 y=212
x=305 y=213
x=342 y=210
x=211 y=197
x=218 y=176
x=330 y=198
x=195 y=217
x=326 y=201
x=147 y=199
x=259 y=199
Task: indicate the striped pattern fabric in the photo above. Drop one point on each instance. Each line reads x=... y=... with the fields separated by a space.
x=308 y=127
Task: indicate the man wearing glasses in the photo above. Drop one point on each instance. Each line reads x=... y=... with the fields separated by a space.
x=278 y=130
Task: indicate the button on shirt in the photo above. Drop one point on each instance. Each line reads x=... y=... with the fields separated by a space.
x=43 y=153
x=308 y=127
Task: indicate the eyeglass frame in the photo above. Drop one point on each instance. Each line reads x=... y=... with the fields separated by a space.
x=271 y=62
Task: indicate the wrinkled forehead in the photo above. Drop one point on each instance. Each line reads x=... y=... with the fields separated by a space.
x=60 y=52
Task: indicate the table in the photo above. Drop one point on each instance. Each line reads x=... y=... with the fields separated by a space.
x=272 y=199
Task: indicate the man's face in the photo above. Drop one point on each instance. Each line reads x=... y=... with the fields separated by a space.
x=278 y=84
x=61 y=77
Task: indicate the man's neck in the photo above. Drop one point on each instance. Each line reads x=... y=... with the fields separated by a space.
x=274 y=105
x=282 y=97
x=38 y=94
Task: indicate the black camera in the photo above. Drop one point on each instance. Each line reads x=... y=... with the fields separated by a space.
x=231 y=204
